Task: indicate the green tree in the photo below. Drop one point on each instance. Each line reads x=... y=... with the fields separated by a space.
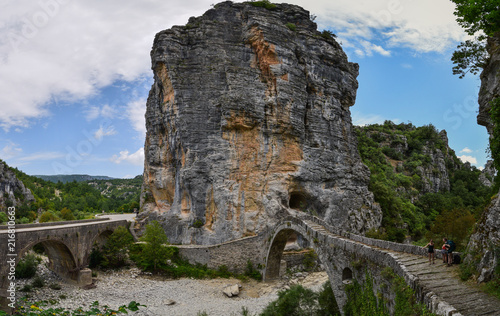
x=67 y=215
x=154 y=253
x=48 y=216
x=476 y=17
x=114 y=251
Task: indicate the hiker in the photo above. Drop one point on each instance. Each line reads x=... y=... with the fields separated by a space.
x=444 y=251
x=450 y=248
x=430 y=248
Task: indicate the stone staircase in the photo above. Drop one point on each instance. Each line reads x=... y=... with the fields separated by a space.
x=435 y=280
x=444 y=282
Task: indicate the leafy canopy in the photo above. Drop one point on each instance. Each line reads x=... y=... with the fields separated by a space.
x=482 y=18
x=478 y=15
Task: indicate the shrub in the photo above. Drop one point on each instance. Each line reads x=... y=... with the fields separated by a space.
x=310 y=258
x=224 y=272
x=3 y=218
x=96 y=258
x=198 y=223
x=67 y=215
x=38 y=282
x=292 y=27
x=48 y=216
x=55 y=286
x=26 y=268
x=251 y=272
x=264 y=4
x=327 y=302
x=295 y=301
x=26 y=288
x=328 y=35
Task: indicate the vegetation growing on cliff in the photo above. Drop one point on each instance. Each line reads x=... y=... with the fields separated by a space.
x=480 y=19
x=405 y=173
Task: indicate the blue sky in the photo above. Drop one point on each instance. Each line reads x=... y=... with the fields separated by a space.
x=75 y=76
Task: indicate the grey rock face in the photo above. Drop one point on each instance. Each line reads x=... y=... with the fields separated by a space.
x=488 y=174
x=485 y=241
x=248 y=117
x=11 y=188
x=490 y=83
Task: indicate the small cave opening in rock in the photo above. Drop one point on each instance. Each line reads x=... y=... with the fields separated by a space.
x=297 y=201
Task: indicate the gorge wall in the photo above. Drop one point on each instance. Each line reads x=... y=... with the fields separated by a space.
x=484 y=244
x=12 y=190
x=249 y=116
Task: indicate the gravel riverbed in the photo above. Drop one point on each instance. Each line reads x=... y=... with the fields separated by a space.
x=190 y=296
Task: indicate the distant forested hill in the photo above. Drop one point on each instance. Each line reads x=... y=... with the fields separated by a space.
x=55 y=201
x=424 y=190
x=71 y=177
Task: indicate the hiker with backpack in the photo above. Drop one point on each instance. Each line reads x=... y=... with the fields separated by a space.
x=450 y=247
x=444 y=251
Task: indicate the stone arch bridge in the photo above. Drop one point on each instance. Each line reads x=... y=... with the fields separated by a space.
x=67 y=244
x=346 y=256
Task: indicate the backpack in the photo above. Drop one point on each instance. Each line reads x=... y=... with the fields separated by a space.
x=456 y=259
x=452 y=245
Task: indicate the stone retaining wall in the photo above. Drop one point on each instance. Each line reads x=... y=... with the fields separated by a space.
x=233 y=254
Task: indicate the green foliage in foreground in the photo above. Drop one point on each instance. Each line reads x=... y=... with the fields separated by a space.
x=43 y=308
x=26 y=267
x=362 y=301
x=299 y=301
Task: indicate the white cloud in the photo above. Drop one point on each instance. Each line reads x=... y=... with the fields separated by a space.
x=423 y=26
x=136 y=158
x=466 y=150
x=54 y=50
x=360 y=119
x=470 y=159
x=10 y=150
x=135 y=113
x=104 y=131
x=105 y=111
x=407 y=66
x=42 y=156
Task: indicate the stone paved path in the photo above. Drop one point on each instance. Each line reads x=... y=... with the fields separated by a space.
x=444 y=282
x=440 y=279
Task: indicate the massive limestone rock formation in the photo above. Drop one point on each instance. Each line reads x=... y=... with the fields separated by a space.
x=485 y=241
x=249 y=116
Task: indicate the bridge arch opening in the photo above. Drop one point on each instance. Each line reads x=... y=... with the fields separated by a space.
x=60 y=258
x=346 y=276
